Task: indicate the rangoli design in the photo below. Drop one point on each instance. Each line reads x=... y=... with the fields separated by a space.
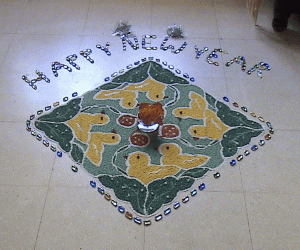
x=196 y=133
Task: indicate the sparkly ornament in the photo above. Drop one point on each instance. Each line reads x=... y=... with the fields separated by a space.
x=213 y=54
x=101 y=190
x=158 y=217
x=59 y=153
x=247 y=152
x=235 y=104
x=121 y=209
x=86 y=54
x=233 y=163
x=254 y=148
x=105 y=49
x=71 y=59
x=57 y=66
x=167 y=211
x=137 y=220
x=122 y=29
x=74 y=168
x=176 y=205
x=199 y=52
x=147 y=222
x=267 y=136
x=240 y=157
x=128 y=215
x=226 y=99
x=193 y=192
x=175 y=31
x=201 y=186
x=185 y=199
x=93 y=184
x=217 y=175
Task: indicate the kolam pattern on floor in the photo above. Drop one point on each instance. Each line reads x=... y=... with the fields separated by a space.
x=98 y=131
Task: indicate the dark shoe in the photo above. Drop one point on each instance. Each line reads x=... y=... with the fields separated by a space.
x=279 y=25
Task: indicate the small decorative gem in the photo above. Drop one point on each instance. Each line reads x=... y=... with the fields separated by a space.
x=114 y=203
x=261 y=143
x=260 y=118
x=269 y=124
x=106 y=79
x=53 y=148
x=167 y=211
x=74 y=94
x=128 y=215
x=185 y=75
x=59 y=153
x=137 y=220
x=55 y=104
x=33 y=133
x=46 y=143
x=101 y=190
x=240 y=157
x=176 y=205
x=192 y=79
x=147 y=222
x=32 y=117
x=121 y=209
x=107 y=196
x=39 y=137
x=201 y=186
x=254 y=148
x=158 y=217
x=217 y=175
x=178 y=71
x=233 y=163
x=93 y=184
x=267 y=136
x=47 y=108
x=253 y=114
x=65 y=99
x=247 y=152
x=226 y=99
x=74 y=168
x=185 y=199
x=39 y=112
x=244 y=109
x=271 y=131
x=193 y=192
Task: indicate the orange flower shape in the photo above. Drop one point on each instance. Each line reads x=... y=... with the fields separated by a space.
x=151 y=114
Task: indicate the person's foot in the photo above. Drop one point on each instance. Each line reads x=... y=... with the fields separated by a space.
x=279 y=25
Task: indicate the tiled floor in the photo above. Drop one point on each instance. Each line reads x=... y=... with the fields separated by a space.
x=44 y=205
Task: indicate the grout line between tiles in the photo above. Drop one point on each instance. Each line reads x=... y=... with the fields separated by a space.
x=37 y=235
x=246 y=207
x=86 y=18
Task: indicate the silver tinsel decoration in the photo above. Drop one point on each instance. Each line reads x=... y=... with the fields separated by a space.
x=122 y=29
x=175 y=31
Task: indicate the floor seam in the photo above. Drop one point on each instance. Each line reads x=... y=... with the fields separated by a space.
x=37 y=235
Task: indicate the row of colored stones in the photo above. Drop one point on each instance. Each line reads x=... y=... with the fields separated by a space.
x=171 y=67
x=138 y=220
x=260 y=143
x=39 y=137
